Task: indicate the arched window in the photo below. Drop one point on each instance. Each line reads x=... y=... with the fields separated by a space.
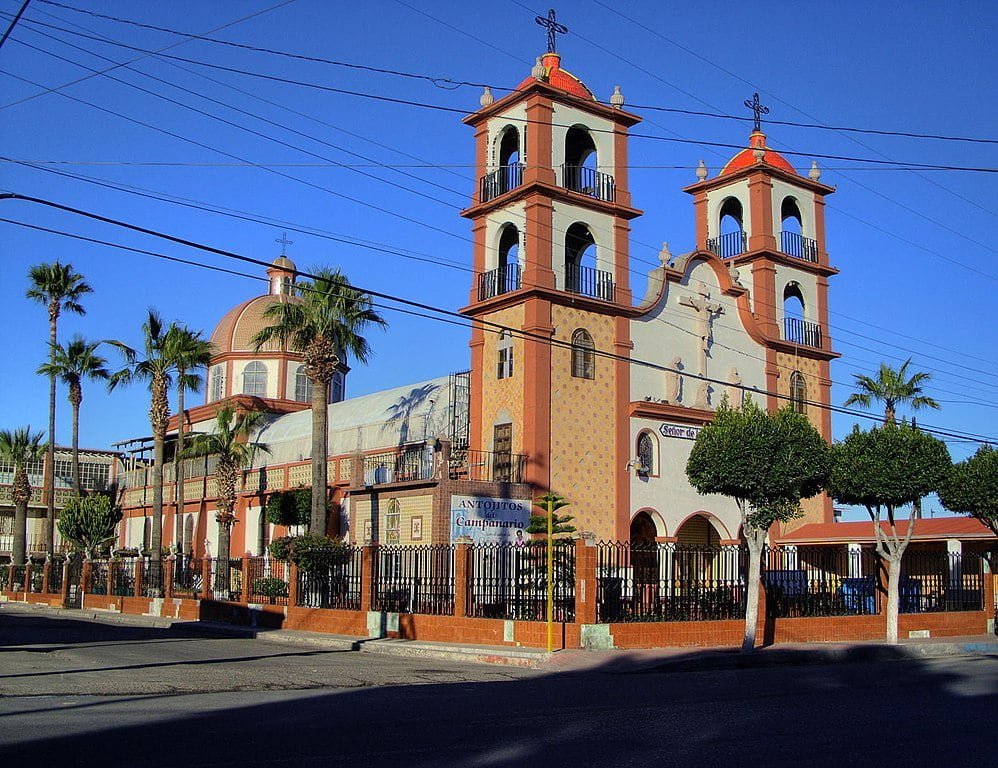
x=189 y=535
x=146 y=533
x=581 y=173
x=504 y=348
x=583 y=355
x=303 y=385
x=255 y=379
x=217 y=382
x=507 y=275
x=798 y=392
x=336 y=388
x=509 y=146
x=393 y=522
x=647 y=454
x=730 y=240
x=581 y=274
x=263 y=533
x=790 y=216
x=792 y=240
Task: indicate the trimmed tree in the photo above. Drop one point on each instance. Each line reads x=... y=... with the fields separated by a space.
x=884 y=469
x=89 y=523
x=972 y=489
x=323 y=324
x=767 y=463
x=59 y=289
x=73 y=363
x=19 y=447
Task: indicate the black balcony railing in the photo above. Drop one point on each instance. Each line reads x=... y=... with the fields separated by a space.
x=589 y=282
x=589 y=182
x=728 y=245
x=409 y=462
x=488 y=466
x=794 y=244
x=500 y=280
x=802 y=332
x=500 y=181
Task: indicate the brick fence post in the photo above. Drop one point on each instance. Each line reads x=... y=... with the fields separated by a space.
x=247 y=587
x=292 y=585
x=585 y=580
x=138 y=573
x=9 y=581
x=989 y=596
x=206 y=592
x=110 y=576
x=461 y=578
x=87 y=576
x=169 y=566
x=46 y=572
x=64 y=592
x=366 y=577
x=29 y=569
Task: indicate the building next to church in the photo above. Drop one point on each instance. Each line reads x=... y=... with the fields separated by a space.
x=574 y=385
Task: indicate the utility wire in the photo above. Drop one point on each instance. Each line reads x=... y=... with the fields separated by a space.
x=13 y=22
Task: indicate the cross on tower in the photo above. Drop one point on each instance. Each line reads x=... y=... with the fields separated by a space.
x=758 y=109
x=283 y=240
x=553 y=28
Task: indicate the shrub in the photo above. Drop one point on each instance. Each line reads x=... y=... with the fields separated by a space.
x=310 y=551
x=270 y=586
x=290 y=508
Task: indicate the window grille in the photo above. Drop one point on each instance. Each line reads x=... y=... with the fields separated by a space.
x=217 y=382
x=505 y=350
x=646 y=452
x=303 y=385
x=583 y=355
x=393 y=522
x=798 y=392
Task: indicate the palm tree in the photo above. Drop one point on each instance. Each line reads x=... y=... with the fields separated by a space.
x=20 y=447
x=189 y=351
x=71 y=364
x=157 y=367
x=893 y=388
x=324 y=324
x=231 y=444
x=59 y=289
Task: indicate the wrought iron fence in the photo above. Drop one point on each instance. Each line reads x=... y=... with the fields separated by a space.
x=227 y=579
x=502 y=279
x=509 y=581
x=268 y=580
x=820 y=581
x=17 y=577
x=669 y=582
x=55 y=576
x=802 y=332
x=728 y=245
x=589 y=181
x=941 y=581
x=410 y=462
x=98 y=578
x=187 y=577
x=588 y=281
x=122 y=577
x=500 y=181
x=489 y=466
x=37 y=578
x=414 y=579
x=331 y=579
x=152 y=577
x=795 y=244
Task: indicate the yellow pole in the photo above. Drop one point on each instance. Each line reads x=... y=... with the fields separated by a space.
x=550 y=505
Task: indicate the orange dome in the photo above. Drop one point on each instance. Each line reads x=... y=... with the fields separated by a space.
x=559 y=78
x=746 y=158
x=235 y=331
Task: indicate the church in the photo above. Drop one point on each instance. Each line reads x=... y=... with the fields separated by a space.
x=574 y=384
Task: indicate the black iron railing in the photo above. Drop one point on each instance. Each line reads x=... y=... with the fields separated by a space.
x=410 y=462
x=500 y=181
x=55 y=576
x=122 y=577
x=726 y=246
x=500 y=280
x=414 y=579
x=331 y=579
x=227 y=579
x=187 y=577
x=488 y=466
x=37 y=578
x=941 y=581
x=802 y=332
x=589 y=282
x=98 y=577
x=588 y=181
x=268 y=581
x=670 y=582
x=820 y=581
x=795 y=244
x=507 y=581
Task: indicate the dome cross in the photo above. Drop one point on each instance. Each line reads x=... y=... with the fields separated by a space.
x=283 y=240
x=553 y=28
x=759 y=111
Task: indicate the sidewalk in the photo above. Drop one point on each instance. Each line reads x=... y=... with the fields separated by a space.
x=567 y=661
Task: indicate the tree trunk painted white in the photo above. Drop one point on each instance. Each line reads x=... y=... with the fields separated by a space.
x=893 y=592
x=755 y=539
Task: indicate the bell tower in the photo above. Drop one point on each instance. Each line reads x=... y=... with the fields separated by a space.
x=551 y=226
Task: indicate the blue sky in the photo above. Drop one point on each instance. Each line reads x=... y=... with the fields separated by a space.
x=915 y=249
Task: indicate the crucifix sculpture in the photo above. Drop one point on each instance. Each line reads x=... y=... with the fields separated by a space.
x=553 y=28
x=283 y=240
x=759 y=111
x=707 y=311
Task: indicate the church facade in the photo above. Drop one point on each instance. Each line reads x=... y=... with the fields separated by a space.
x=575 y=385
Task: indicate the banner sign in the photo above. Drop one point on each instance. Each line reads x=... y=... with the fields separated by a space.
x=683 y=431
x=489 y=520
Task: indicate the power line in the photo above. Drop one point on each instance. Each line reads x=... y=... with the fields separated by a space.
x=439 y=80
x=448 y=313
x=13 y=22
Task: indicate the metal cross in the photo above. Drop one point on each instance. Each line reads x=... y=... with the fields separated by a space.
x=553 y=28
x=283 y=240
x=759 y=110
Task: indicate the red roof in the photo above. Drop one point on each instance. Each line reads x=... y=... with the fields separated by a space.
x=928 y=528
x=746 y=157
x=560 y=78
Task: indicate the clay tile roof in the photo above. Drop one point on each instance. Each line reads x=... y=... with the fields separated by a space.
x=930 y=528
x=746 y=157
x=235 y=331
x=560 y=78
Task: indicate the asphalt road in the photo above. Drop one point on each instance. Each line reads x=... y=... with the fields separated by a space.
x=79 y=693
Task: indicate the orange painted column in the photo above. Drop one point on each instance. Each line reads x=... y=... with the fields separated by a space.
x=292 y=585
x=461 y=561
x=206 y=593
x=139 y=577
x=585 y=581
x=46 y=571
x=761 y=202
x=169 y=568
x=366 y=577
x=87 y=576
x=700 y=217
x=247 y=587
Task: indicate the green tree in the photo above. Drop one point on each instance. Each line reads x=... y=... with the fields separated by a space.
x=189 y=352
x=892 y=388
x=20 y=447
x=89 y=523
x=71 y=364
x=230 y=443
x=157 y=366
x=884 y=469
x=323 y=324
x=290 y=508
x=59 y=289
x=972 y=489
x=766 y=462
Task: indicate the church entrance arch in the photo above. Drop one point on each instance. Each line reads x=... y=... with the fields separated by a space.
x=644 y=550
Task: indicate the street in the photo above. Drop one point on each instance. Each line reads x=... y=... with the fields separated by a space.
x=86 y=693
